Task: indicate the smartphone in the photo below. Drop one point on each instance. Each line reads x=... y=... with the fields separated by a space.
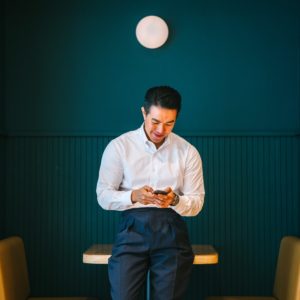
x=160 y=192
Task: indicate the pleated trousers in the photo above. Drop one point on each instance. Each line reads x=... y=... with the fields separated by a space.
x=154 y=240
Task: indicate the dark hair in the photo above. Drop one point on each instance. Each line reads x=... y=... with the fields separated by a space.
x=163 y=96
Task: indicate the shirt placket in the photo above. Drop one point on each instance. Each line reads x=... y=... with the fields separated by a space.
x=154 y=168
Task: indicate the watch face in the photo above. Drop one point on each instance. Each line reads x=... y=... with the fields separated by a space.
x=176 y=200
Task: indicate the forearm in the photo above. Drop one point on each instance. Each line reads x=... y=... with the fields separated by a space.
x=114 y=200
x=189 y=206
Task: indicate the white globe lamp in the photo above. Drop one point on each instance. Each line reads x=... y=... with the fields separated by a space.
x=152 y=32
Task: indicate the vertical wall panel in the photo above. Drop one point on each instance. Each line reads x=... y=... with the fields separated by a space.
x=2 y=187
x=252 y=200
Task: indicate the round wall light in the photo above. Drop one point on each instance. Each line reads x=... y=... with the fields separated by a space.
x=152 y=32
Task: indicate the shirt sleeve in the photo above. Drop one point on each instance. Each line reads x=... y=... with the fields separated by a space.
x=110 y=177
x=192 y=193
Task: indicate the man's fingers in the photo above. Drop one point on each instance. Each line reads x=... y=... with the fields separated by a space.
x=148 y=188
x=168 y=190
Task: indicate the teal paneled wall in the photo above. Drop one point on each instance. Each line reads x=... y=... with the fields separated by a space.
x=2 y=187
x=252 y=200
x=76 y=66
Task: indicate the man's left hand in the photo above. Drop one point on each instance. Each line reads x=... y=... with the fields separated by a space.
x=164 y=201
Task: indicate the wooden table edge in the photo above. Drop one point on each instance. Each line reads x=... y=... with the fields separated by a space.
x=90 y=256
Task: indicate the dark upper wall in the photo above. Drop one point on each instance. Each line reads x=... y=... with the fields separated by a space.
x=76 y=66
x=2 y=41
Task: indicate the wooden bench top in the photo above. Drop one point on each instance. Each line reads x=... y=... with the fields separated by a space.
x=100 y=253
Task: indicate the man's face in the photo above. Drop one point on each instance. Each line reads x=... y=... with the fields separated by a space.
x=159 y=122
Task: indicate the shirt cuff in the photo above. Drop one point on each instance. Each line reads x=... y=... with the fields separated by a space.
x=126 y=199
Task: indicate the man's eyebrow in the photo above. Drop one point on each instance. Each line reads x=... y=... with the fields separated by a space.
x=153 y=119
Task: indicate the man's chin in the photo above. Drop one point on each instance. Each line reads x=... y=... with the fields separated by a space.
x=157 y=140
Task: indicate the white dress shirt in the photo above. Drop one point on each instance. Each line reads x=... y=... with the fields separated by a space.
x=131 y=161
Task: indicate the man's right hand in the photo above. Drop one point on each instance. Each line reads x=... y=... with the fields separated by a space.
x=143 y=195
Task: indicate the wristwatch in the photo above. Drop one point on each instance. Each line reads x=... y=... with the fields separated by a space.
x=175 y=200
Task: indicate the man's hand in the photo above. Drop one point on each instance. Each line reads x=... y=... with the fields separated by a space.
x=146 y=196
x=143 y=195
x=164 y=201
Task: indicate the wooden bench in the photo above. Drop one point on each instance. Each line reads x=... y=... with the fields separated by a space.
x=100 y=253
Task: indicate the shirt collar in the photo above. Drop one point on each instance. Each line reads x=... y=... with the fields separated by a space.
x=143 y=134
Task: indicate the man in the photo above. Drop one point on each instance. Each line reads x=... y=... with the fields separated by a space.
x=154 y=177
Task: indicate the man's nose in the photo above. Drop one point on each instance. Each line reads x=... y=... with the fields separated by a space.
x=160 y=128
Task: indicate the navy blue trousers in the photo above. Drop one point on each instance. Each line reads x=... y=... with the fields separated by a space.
x=155 y=240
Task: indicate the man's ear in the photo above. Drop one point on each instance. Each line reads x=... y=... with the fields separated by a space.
x=143 y=112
